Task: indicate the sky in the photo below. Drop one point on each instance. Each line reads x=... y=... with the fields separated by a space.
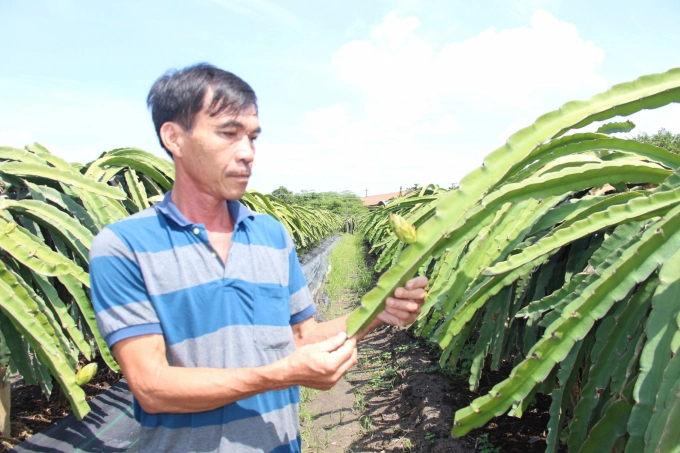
x=365 y=96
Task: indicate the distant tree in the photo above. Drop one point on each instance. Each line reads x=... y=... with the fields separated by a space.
x=338 y=202
x=283 y=194
x=336 y=205
x=663 y=139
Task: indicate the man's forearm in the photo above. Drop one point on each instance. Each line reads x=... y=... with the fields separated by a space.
x=187 y=390
x=161 y=388
x=315 y=332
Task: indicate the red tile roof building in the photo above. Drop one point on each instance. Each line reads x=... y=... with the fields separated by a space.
x=382 y=199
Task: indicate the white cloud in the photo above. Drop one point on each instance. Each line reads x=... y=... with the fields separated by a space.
x=505 y=68
x=408 y=83
x=431 y=114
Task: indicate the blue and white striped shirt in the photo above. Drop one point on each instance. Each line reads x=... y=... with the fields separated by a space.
x=156 y=273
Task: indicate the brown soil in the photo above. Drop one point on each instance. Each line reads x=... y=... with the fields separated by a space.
x=31 y=411
x=405 y=401
x=394 y=398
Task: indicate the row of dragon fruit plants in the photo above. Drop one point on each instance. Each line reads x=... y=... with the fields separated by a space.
x=561 y=253
x=50 y=211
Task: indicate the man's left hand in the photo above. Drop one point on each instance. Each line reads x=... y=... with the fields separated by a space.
x=404 y=308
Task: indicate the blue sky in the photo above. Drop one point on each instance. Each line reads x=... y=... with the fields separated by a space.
x=353 y=95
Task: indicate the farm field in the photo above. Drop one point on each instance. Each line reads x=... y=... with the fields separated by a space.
x=398 y=398
x=551 y=320
x=545 y=257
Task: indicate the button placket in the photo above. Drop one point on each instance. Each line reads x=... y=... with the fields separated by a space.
x=197 y=232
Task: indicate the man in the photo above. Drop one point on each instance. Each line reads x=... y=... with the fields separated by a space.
x=203 y=302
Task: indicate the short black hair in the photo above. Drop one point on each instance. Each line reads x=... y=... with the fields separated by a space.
x=178 y=95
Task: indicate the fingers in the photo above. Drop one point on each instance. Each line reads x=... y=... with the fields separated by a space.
x=416 y=282
x=349 y=363
x=391 y=319
x=345 y=357
x=406 y=305
x=344 y=352
x=326 y=357
x=323 y=369
x=413 y=289
x=403 y=293
x=399 y=317
x=345 y=365
x=333 y=343
x=400 y=312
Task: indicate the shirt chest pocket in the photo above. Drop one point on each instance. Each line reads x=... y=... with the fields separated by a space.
x=272 y=318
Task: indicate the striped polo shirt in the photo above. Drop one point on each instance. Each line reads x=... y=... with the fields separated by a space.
x=156 y=273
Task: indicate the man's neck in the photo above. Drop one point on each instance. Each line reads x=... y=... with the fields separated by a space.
x=199 y=207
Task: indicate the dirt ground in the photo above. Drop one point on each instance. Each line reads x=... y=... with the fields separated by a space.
x=31 y=412
x=396 y=400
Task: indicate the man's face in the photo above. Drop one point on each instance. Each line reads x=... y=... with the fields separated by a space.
x=218 y=152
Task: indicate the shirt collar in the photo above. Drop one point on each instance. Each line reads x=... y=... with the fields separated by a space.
x=237 y=211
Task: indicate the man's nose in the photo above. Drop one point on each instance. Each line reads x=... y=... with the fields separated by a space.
x=246 y=149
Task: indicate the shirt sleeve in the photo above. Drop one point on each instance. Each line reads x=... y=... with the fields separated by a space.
x=119 y=296
x=301 y=302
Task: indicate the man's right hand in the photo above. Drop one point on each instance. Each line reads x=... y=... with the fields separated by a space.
x=321 y=365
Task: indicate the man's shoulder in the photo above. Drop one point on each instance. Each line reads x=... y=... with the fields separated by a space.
x=136 y=223
x=121 y=234
x=266 y=221
x=269 y=231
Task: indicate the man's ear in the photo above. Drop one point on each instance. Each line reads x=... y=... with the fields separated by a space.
x=172 y=135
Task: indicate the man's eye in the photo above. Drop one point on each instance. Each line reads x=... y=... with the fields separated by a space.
x=253 y=137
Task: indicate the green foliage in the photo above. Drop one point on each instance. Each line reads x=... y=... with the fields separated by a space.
x=414 y=207
x=306 y=225
x=50 y=211
x=663 y=139
x=349 y=277
x=283 y=194
x=562 y=254
x=485 y=445
x=352 y=224
x=341 y=203
x=616 y=127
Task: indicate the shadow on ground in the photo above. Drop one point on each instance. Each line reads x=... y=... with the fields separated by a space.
x=405 y=403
